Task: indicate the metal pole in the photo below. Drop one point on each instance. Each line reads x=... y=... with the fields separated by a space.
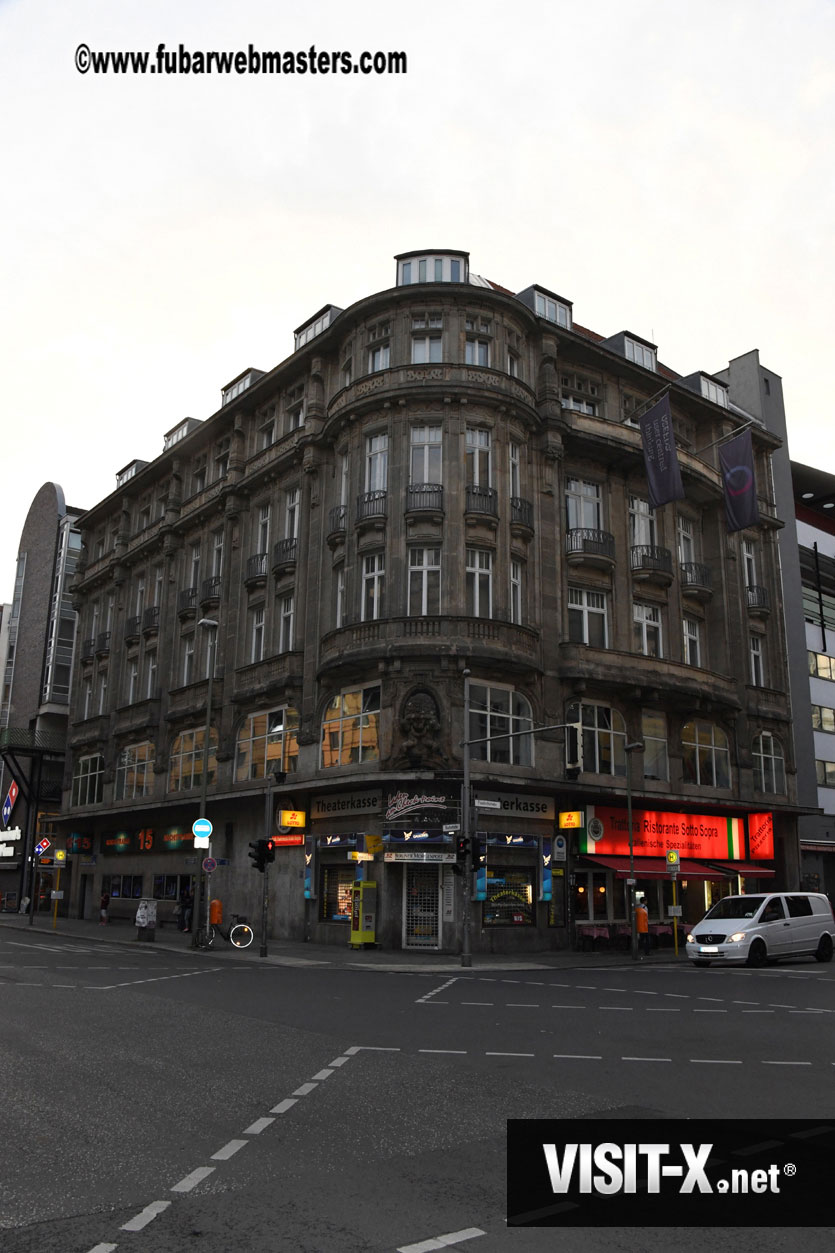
x=466 y=955
x=630 y=749
x=31 y=841
x=201 y=881
x=265 y=900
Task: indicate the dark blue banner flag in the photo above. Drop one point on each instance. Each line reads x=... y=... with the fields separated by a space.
x=736 y=459
x=660 y=459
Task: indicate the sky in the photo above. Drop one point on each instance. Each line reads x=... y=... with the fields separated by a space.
x=668 y=167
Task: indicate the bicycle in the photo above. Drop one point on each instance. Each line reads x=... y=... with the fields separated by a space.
x=239 y=933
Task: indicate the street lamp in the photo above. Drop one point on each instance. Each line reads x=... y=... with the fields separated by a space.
x=211 y=625
x=636 y=747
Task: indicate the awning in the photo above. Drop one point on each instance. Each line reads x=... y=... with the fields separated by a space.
x=748 y=869
x=809 y=846
x=657 y=868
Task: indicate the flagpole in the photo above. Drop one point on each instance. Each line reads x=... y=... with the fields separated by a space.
x=730 y=435
x=633 y=416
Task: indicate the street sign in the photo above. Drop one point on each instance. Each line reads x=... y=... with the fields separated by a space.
x=673 y=911
x=209 y=864
x=672 y=859
x=485 y=804
x=60 y=854
x=41 y=848
x=13 y=833
x=8 y=803
x=201 y=829
x=450 y=827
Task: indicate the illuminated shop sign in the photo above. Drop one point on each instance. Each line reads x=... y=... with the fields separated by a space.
x=761 y=836
x=146 y=840
x=654 y=831
x=571 y=820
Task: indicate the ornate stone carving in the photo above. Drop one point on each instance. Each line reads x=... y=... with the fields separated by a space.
x=420 y=728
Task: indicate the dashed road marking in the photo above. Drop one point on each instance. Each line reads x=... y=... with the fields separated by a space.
x=441 y=1242
x=283 y=1106
x=147 y=1215
x=191 y=1181
x=305 y=1089
x=228 y=1150
x=260 y=1124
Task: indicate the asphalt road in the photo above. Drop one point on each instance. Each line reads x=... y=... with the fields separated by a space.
x=168 y=1101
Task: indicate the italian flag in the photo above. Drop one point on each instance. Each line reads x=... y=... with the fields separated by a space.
x=735 y=839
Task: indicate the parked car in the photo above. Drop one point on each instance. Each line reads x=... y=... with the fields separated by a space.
x=764 y=928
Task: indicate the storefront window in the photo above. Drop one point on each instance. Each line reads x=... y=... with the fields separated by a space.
x=510 y=897
x=590 y=896
x=335 y=893
x=124 y=886
x=171 y=887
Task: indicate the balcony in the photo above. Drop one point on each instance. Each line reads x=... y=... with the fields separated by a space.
x=372 y=510
x=759 y=602
x=103 y=644
x=481 y=501
x=150 y=622
x=696 y=580
x=429 y=638
x=585 y=546
x=265 y=676
x=337 y=525
x=521 y=517
x=285 y=554
x=132 y=629
x=257 y=568
x=88 y=650
x=187 y=603
x=425 y=500
x=210 y=592
x=651 y=564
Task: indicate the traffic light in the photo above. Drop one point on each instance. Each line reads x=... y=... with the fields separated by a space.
x=258 y=854
x=269 y=850
x=462 y=847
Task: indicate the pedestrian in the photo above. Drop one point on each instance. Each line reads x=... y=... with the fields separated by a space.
x=104 y=905
x=642 y=926
x=188 y=909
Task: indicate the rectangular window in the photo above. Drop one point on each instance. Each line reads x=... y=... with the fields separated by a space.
x=513 y=365
x=150 y=674
x=87 y=698
x=479 y=460
x=426 y=455
x=514 y=456
x=646 y=620
x=350 y=728
x=373 y=586
x=187 y=673
x=692 y=641
x=479 y=583
x=510 y=899
x=641 y=522
x=133 y=680
x=135 y=772
x=825 y=773
x=757 y=661
x=263 y=538
x=88 y=780
x=376 y=463
x=337 y=883
x=641 y=354
x=217 y=553
x=583 y=505
x=426 y=349
x=194 y=564
x=424 y=581
x=379 y=358
x=198 y=480
x=553 y=310
x=515 y=590
x=266 y=433
x=102 y=691
x=256 y=634
x=291 y=513
x=294 y=407
x=267 y=741
x=823 y=718
x=587 y=617
x=498 y=718
x=340 y=596
x=477 y=352
x=288 y=609
x=686 y=540
x=654 y=735
x=750 y=563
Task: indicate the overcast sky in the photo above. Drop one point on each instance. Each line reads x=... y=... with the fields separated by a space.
x=668 y=167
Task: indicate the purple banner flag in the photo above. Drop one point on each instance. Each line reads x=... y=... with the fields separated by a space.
x=660 y=459
x=736 y=459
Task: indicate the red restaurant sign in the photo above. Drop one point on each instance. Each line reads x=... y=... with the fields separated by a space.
x=653 y=832
x=761 y=836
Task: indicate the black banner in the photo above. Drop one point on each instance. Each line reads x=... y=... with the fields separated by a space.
x=660 y=457
x=737 y=461
x=686 y=1172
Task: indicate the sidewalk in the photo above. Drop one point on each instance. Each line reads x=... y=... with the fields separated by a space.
x=296 y=953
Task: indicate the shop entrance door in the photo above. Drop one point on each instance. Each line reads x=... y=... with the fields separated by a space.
x=421 y=907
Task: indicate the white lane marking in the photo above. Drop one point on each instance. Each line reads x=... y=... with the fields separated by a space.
x=581 y=1057
x=477 y=1002
x=305 y=1089
x=641 y=992
x=709 y=1011
x=323 y=1074
x=587 y=987
x=146 y=1216
x=787 y=1063
x=442 y=988
x=103 y=1248
x=521 y=1005
x=681 y=996
x=339 y=1061
x=718 y=999
x=441 y=1242
x=64 y=985
x=458 y=1052
x=613 y=989
x=569 y=1007
x=745 y=1002
x=714 y=1061
x=283 y=1106
x=774 y=1005
x=228 y=1150
x=260 y=1124
x=663 y=1009
x=536 y=983
x=758 y=1011
x=646 y=1059
x=192 y=1180
x=372 y=1048
x=132 y=983
x=511 y=980
x=621 y=1009
x=509 y=1054
x=809 y=1011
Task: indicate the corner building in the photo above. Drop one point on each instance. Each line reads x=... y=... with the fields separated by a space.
x=437 y=502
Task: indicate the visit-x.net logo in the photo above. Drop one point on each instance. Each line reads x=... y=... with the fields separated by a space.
x=659 y=1173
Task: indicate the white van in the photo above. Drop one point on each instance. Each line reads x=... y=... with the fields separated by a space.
x=764 y=928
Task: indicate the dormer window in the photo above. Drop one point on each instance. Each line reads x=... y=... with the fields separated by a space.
x=640 y=353
x=432 y=268
x=552 y=309
x=240 y=384
x=316 y=326
x=715 y=392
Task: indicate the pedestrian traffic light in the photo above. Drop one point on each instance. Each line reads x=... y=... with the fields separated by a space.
x=269 y=850
x=258 y=854
x=462 y=847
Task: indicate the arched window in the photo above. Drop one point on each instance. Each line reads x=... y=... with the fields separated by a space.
x=602 y=745
x=267 y=741
x=705 y=756
x=495 y=713
x=185 y=766
x=769 y=765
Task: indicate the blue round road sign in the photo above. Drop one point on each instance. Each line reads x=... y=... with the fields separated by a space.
x=201 y=826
